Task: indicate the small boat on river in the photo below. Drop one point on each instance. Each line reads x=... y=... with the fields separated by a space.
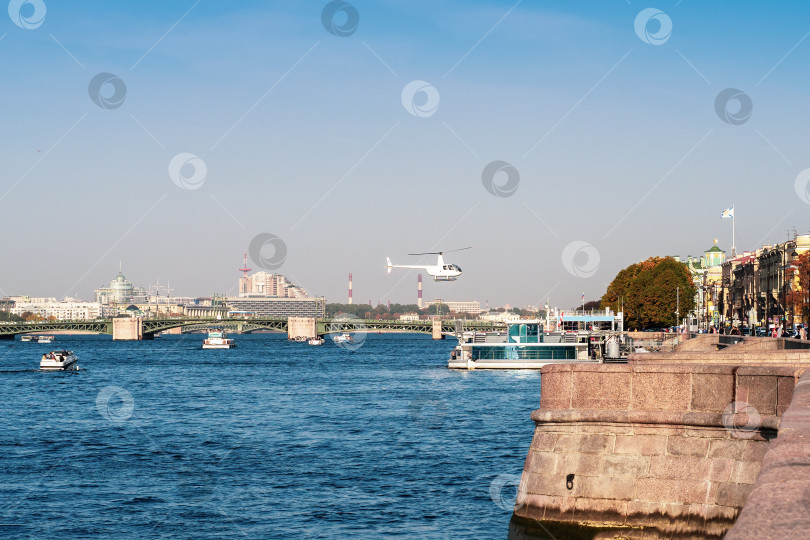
x=218 y=340
x=345 y=337
x=58 y=361
x=316 y=341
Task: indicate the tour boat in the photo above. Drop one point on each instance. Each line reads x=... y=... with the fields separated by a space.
x=58 y=361
x=345 y=337
x=316 y=341
x=44 y=339
x=525 y=345
x=217 y=340
x=28 y=338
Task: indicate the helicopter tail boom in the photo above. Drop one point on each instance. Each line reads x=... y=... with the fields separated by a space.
x=389 y=266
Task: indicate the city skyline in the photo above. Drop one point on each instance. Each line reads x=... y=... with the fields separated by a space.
x=173 y=136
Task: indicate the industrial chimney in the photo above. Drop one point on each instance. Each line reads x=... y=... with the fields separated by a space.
x=419 y=292
x=350 y=288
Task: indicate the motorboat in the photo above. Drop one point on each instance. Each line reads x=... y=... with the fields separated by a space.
x=316 y=341
x=345 y=337
x=28 y=338
x=218 y=340
x=58 y=361
x=44 y=339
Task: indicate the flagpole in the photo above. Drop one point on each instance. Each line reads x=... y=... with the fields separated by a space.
x=733 y=243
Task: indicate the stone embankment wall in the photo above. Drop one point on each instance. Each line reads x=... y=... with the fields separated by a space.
x=707 y=349
x=779 y=506
x=647 y=450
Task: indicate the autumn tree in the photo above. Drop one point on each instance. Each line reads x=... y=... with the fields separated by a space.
x=648 y=292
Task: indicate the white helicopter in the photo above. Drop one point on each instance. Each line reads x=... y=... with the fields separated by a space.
x=440 y=271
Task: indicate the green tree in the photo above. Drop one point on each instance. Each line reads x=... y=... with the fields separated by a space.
x=364 y=311
x=648 y=290
x=8 y=316
x=591 y=305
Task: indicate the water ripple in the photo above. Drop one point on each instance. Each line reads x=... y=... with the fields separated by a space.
x=271 y=440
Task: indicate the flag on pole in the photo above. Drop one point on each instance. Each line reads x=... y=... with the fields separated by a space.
x=583 y=297
x=728 y=213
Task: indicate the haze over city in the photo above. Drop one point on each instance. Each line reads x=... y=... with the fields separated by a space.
x=306 y=134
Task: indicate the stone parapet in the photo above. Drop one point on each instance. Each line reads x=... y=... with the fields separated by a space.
x=682 y=388
x=729 y=356
x=701 y=342
x=777 y=508
x=647 y=451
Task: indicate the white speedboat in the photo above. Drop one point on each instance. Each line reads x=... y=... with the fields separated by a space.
x=58 y=361
x=44 y=339
x=316 y=341
x=345 y=337
x=218 y=340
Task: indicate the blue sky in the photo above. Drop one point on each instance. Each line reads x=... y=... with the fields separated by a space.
x=304 y=135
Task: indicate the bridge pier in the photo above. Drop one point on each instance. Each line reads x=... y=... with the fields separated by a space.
x=127 y=328
x=437 y=329
x=301 y=327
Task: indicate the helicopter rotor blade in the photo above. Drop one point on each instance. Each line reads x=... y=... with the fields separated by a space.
x=441 y=252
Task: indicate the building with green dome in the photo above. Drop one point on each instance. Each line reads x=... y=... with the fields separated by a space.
x=707 y=275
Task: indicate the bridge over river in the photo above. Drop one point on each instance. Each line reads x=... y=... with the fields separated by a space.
x=136 y=328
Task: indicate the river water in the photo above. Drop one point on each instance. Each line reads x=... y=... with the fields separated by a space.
x=273 y=439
